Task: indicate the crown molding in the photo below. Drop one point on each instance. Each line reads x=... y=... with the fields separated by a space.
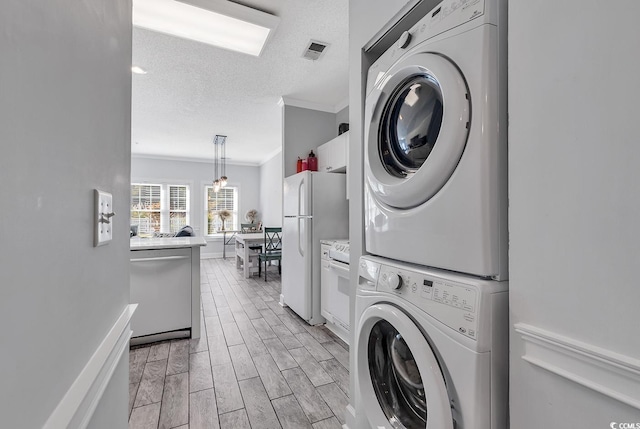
x=271 y=156
x=341 y=105
x=294 y=102
x=187 y=159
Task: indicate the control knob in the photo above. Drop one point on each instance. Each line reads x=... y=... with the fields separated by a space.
x=404 y=40
x=395 y=281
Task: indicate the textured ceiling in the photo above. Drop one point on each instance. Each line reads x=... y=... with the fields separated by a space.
x=193 y=91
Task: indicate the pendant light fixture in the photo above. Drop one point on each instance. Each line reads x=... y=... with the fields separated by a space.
x=223 y=159
x=219 y=162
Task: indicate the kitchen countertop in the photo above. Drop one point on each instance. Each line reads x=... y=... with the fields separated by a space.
x=138 y=243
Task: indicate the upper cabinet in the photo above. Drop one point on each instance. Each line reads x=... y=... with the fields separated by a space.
x=332 y=156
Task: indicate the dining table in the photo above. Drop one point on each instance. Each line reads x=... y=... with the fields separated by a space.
x=227 y=236
x=243 y=251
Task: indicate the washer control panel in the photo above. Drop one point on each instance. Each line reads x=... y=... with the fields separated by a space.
x=453 y=303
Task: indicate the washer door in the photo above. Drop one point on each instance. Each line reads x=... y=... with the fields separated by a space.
x=399 y=378
x=417 y=124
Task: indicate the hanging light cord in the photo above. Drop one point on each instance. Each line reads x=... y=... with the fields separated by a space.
x=224 y=159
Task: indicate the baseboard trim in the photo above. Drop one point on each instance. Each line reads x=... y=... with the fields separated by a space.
x=79 y=403
x=612 y=374
x=164 y=336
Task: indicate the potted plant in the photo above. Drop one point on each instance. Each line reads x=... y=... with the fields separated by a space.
x=251 y=215
x=224 y=215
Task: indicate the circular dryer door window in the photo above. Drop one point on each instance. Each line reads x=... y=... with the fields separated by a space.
x=410 y=125
x=418 y=116
x=401 y=373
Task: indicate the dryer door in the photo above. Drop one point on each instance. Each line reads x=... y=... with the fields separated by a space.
x=398 y=375
x=417 y=120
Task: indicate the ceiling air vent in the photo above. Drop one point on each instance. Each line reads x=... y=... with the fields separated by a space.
x=315 y=50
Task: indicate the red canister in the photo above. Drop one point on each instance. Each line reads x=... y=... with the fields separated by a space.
x=305 y=166
x=312 y=161
x=299 y=165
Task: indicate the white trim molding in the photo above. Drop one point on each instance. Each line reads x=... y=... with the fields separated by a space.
x=304 y=104
x=312 y=105
x=609 y=373
x=271 y=156
x=205 y=160
x=342 y=105
x=79 y=403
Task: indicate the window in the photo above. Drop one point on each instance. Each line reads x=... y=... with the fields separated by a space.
x=178 y=207
x=159 y=207
x=225 y=199
x=145 y=207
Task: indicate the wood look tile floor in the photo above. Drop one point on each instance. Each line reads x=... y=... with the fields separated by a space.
x=256 y=365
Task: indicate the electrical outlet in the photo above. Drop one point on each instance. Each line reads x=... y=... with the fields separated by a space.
x=103 y=214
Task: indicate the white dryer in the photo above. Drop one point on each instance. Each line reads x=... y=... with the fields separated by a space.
x=436 y=142
x=431 y=348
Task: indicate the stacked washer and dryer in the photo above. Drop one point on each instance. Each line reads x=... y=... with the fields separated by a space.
x=431 y=312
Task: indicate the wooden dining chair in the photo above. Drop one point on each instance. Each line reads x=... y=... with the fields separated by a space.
x=272 y=250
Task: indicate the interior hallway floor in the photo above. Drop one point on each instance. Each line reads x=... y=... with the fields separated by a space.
x=256 y=365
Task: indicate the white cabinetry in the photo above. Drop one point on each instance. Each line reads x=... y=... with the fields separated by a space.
x=332 y=156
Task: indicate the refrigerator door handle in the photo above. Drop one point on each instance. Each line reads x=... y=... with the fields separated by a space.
x=300 y=195
x=300 y=249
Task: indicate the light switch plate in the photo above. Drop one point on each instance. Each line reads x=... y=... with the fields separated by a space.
x=103 y=217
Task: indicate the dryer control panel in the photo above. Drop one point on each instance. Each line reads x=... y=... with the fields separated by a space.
x=447 y=15
x=449 y=301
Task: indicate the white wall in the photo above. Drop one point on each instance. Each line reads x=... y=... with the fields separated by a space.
x=342 y=116
x=197 y=175
x=304 y=130
x=271 y=191
x=64 y=130
x=574 y=207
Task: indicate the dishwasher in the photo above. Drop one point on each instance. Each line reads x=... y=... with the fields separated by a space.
x=161 y=286
x=334 y=281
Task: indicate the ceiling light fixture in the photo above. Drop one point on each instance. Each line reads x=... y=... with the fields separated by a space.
x=138 y=70
x=220 y=23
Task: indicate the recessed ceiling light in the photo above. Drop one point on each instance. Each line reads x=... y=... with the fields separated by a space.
x=138 y=70
x=220 y=23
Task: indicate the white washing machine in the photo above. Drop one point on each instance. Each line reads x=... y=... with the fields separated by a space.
x=436 y=142
x=431 y=348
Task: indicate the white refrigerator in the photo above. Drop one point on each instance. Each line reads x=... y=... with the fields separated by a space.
x=315 y=207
